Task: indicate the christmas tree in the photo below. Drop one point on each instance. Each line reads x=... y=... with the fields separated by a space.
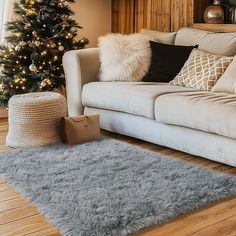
x=31 y=60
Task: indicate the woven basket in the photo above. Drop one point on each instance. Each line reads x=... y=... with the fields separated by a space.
x=35 y=119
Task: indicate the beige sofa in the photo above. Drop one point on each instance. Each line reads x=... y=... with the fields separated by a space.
x=197 y=122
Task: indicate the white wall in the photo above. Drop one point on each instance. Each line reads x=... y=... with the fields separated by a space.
x=95 y=18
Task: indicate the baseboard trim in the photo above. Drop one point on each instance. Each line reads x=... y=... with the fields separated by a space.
x=3 y=113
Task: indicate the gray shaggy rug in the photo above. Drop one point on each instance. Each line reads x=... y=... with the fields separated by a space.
x=109 y=187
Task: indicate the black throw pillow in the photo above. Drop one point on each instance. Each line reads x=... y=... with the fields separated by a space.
x=167 y=61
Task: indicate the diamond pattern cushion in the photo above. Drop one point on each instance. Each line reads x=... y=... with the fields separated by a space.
x=202 y=70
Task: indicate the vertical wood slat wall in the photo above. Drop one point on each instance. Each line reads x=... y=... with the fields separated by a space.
x=129 y=16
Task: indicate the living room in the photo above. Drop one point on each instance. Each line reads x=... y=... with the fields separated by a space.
x=117 y=117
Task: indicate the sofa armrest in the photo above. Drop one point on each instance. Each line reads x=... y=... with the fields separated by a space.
x=80 y=67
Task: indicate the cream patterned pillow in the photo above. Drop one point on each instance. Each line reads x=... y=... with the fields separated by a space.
x=202 y=70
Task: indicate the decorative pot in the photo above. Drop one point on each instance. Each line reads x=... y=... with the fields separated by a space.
x=214 y=14
x=232 y=12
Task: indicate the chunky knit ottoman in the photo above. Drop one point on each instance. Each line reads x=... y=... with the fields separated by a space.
x=35 y=119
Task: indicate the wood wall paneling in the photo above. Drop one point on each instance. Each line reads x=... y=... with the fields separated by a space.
x=152 y=14
x=129 y=16
x=181 y=14
x=123 y=16
x=115 y=16
x=143 y=14
x=166 y=18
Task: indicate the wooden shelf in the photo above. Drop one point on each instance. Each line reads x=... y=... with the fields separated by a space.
x=199 y=7
x=215 y=27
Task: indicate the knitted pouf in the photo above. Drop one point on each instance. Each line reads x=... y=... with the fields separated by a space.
x=35 y=119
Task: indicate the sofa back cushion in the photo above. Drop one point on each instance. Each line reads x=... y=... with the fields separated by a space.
x=215 y=43
x=161 y=37
x=227 y=82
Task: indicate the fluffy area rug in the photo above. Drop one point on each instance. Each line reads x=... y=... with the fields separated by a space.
x=110 y=187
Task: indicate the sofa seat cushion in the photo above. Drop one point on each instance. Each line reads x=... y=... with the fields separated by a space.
x=137 y=98
x=209 y=112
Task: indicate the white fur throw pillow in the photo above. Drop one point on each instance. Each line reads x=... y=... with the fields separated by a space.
x=124 y=57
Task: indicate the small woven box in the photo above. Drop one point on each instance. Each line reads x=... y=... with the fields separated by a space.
x=35 y=119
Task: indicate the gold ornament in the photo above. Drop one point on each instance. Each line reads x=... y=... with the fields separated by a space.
x=36 y=43
x=45 y=82
x=60 y=48
x=27 y=25
x=31 y=2
x=61 y=4
x=18 y=47
x=22 y=43
x=53 y=45
x=33 y=67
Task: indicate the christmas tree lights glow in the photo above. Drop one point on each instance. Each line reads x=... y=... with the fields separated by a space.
x=31 y=60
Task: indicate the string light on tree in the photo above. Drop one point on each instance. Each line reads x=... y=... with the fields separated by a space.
x=32 y=56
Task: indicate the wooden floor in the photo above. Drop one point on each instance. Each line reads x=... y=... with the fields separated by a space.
x=18 y=217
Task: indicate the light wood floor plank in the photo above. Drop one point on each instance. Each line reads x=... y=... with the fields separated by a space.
x=7 y=195
x=16 y=214
x=23 y=226
x=225 y=227
x=45 y=232
x=5 y=187
x=2 y=181
x=12 y=204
